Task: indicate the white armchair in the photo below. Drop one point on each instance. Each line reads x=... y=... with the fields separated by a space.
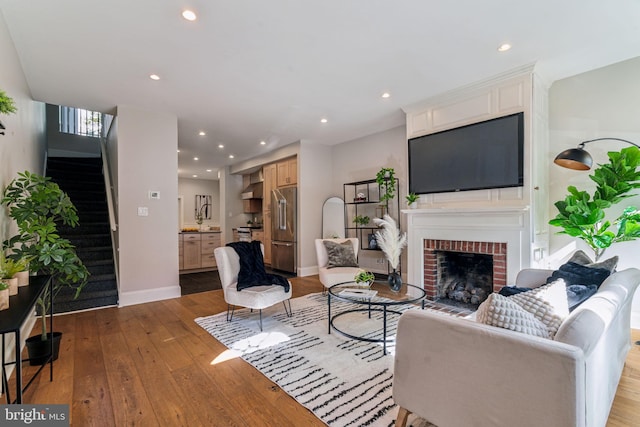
x=257 y=297
x=335 y=275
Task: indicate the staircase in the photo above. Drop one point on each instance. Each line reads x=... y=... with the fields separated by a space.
x=81 y=178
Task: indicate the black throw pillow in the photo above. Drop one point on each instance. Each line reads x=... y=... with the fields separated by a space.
x=576 y=274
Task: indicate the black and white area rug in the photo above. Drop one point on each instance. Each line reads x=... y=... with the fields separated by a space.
x=344 y=382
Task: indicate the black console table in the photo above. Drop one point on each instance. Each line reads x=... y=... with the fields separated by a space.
x=12 y=319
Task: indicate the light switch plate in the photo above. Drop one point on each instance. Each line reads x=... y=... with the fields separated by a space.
x=154 y=194
x=143 y=211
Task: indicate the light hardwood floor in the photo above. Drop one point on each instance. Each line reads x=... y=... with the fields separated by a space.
x=150 y=365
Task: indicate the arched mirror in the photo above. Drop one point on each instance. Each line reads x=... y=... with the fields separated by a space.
x=333 y=218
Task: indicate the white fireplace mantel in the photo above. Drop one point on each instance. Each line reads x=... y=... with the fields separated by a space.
x=511 y=225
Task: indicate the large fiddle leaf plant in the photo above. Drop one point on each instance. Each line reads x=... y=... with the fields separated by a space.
x=584 y=216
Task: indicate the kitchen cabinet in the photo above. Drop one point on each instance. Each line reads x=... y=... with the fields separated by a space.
x=191 y=251
x=209 y=241
x=196 y=251
x=257 y=235
x=180 y=253
x=287 y=172
x=269 y=173
x=252 y=205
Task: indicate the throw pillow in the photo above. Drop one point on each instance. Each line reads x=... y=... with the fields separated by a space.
x=340 y=254
x=576 y=274
x=503 y=312
x=548 y=304
x=579 y=257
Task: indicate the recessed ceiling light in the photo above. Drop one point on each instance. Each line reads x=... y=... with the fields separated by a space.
x=323 y=120
x=189 y=15
x=209 y=170
x=195 y=158
x=178 y=151
x=202 y=133
x=195 y=176
x=386 y=95
x=504 y=47
x=220 y=146
x=231 y=156
x=154 y=77
x=263 y=143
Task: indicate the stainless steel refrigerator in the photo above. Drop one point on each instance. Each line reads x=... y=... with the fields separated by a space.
x=283 y=231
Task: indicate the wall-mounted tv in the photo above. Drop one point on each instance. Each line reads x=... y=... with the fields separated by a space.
x=478 y=156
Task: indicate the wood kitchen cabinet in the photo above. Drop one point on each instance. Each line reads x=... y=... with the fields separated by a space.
x=209 y=241
x=191 y=251
x=252 y=205
x=269 y=173
x=287 y=171
x=196 y=251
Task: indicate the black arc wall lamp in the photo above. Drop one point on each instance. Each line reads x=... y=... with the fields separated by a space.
x=578 y=158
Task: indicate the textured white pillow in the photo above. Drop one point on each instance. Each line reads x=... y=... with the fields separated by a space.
x=501 y=311
x=547 y=303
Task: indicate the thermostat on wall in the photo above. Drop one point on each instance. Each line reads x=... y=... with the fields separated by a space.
x=154 y=194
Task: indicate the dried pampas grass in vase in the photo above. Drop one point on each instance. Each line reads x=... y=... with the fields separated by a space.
x=391 y=241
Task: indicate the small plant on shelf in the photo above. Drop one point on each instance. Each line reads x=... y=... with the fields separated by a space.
x=387 y=182
x=364 y=278
x=361 y=220
x=412 y=198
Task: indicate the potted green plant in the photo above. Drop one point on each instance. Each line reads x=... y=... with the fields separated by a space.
x=361 y=220
x=364 y=278
x=412 y=199
x=583 y=216
x=4 y=295
x=7 y=106
x=9 y=267
x=385 y=178
x=38 y=205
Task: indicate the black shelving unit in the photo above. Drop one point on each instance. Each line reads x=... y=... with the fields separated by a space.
x=362 y=198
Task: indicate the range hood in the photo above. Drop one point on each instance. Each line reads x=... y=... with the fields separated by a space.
x=253 y=191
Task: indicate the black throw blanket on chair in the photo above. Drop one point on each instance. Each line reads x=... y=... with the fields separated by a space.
x=252 y=272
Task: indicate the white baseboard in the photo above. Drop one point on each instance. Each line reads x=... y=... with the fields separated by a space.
x=148 y=295
x=308 y=271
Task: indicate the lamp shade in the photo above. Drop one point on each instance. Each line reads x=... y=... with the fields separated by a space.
x=574 y=158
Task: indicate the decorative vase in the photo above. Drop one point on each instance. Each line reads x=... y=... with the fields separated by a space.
x=23 y=278
x=13 y=285
x=4 y=299
x=395 y=281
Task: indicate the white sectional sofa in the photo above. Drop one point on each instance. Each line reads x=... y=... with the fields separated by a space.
x=457 y=372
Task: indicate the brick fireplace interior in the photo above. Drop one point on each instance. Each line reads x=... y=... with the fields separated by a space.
x=463 y=273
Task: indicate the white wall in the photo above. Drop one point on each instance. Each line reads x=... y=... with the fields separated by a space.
x=188 y=189
x=21 y=148
x=148 y=245
x=360 y=160
x=600 y=103
x=315 y=171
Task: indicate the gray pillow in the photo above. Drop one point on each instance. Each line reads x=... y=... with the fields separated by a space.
x=579 y=257
x=340 y=254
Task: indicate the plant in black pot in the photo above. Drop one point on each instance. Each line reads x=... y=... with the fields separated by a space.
x=38 y=206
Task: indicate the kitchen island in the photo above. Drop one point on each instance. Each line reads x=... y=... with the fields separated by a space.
x=195 y=250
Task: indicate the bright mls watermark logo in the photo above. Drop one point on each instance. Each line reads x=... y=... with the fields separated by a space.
x=34 y=415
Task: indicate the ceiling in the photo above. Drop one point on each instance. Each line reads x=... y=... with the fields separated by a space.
x=247 y=71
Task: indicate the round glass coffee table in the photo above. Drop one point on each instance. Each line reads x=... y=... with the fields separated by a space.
x=376 y=298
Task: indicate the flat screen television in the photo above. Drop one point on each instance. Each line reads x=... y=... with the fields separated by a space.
x=478 y=156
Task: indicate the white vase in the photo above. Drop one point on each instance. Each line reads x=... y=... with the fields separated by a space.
x=4 y=299
x=23 y=278
x=13 y=285
x=413 y=205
